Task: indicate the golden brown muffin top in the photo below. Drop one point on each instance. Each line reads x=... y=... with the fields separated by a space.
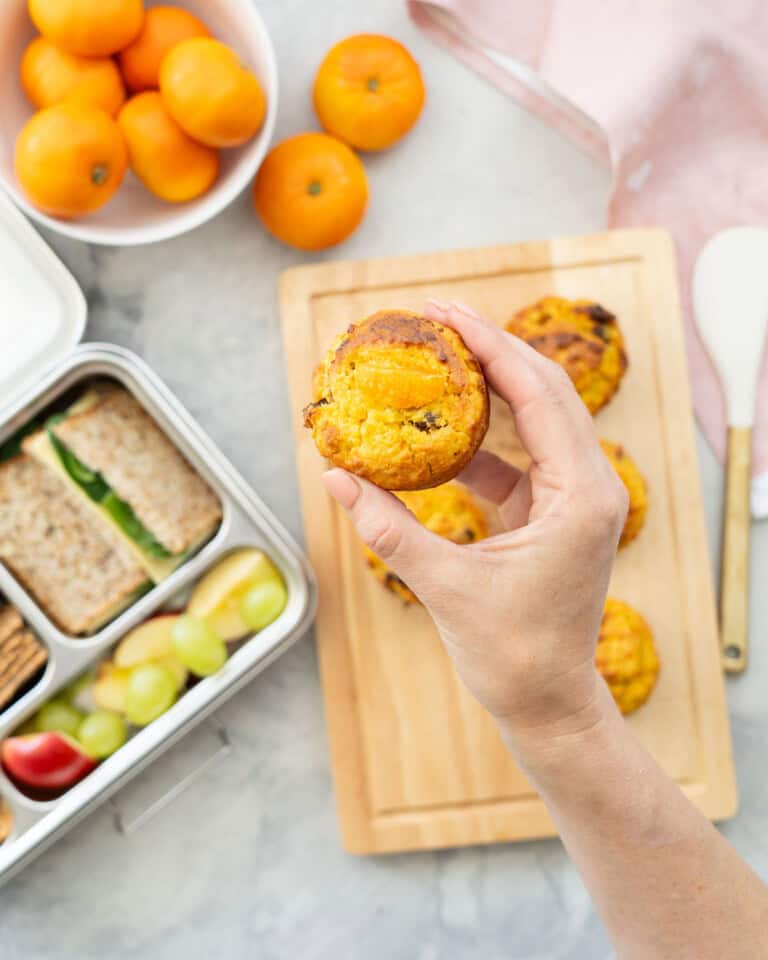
x=450 y=511
x=626 y=655
x=633 y=480
x=580 y=335
x=400 y=400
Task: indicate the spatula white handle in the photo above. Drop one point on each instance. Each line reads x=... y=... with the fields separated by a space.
x=734 y=573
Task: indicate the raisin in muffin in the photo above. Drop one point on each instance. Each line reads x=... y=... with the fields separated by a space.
x=450 y=511
x=399 y=400
x=626 y=655
x=583 y=337
x=634 y=481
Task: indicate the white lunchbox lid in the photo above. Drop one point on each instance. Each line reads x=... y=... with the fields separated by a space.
x=42 y=309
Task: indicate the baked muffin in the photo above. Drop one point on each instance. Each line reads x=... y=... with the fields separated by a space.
x=399 y=400
x=626 y=655
x=634 y=481
x=583 y=337
x=449 y=511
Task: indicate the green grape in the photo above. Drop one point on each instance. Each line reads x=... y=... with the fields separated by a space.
x=263 y=604
x=151 y=690
x=78 y=692
x=198 y=646
x=76 y=686
x=58 y=715
x=101 y=733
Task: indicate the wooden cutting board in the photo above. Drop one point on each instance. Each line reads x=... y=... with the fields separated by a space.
x=417 y=763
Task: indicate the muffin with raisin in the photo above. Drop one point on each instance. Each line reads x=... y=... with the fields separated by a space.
x=450 y=511
x=399 y=400
x=634 y=481
x=583 y=337
x=626 y=655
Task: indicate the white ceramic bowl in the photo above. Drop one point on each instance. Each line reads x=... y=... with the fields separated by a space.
x=134 y=215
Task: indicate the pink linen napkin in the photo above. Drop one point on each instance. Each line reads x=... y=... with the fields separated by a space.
x=673 y=94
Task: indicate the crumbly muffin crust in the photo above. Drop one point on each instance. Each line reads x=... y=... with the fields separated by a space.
x=450 y=511
x=633 y=480
x=583 y=337
x=399 y=400
x=626 y=655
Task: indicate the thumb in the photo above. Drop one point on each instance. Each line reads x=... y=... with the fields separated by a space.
x=419 y=557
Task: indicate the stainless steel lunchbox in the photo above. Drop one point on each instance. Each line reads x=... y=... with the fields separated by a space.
x=36 y=380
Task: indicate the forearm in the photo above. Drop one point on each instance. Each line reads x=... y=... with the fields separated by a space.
x=666 y=884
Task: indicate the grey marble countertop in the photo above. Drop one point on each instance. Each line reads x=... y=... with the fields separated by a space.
x=247 y=863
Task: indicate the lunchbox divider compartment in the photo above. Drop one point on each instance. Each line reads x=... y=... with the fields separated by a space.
x=246 y=522
x=79 y=368
x=70 y=657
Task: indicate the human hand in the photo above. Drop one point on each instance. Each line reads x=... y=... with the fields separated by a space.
x=519 y=613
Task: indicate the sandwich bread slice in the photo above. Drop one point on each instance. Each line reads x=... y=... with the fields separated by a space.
x=79 y=570
x=114 y=454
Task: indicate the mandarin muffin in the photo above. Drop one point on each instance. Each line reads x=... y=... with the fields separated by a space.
x=583 y=337
x=626 y=655
x=399 y=400
x=634 y=481
x=449 y=511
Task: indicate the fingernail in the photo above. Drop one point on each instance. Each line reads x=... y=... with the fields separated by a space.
x=342 y=487
x=467 y=311
x=440 y=305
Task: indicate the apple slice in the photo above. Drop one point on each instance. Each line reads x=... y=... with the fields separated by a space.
x=151 y=642
x=45 y=761
x=218 y=595
x=109 y=687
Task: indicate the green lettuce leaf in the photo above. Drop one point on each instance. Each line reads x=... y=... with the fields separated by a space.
x=12 y=446
x=123 y=515
x=100 y=492
x=93 y=483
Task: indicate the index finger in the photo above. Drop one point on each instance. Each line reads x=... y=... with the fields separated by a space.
x=553 y=424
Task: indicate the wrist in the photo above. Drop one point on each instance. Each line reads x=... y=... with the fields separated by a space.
x=548 y=742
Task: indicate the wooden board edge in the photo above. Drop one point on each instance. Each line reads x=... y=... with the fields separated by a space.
x=315 y=279
x=720 y=800
x=343 y=730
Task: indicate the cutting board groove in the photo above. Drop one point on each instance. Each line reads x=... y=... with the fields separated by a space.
x=417 y=763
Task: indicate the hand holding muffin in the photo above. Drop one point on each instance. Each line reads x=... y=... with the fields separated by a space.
x=529 y=663
x=520 y=614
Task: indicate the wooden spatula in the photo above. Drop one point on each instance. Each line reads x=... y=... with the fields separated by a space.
x=730 y=299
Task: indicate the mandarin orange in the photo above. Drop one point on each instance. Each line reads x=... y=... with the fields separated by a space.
x=368 y=91
x=210 y=93
x=170 y=164
x=91 y=28
x=311 y=191
x=70 y=158
x=49 y=75
x=162 y=29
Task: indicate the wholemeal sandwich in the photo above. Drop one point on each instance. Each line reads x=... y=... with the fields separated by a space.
x=78 y=569
x=114 y=456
